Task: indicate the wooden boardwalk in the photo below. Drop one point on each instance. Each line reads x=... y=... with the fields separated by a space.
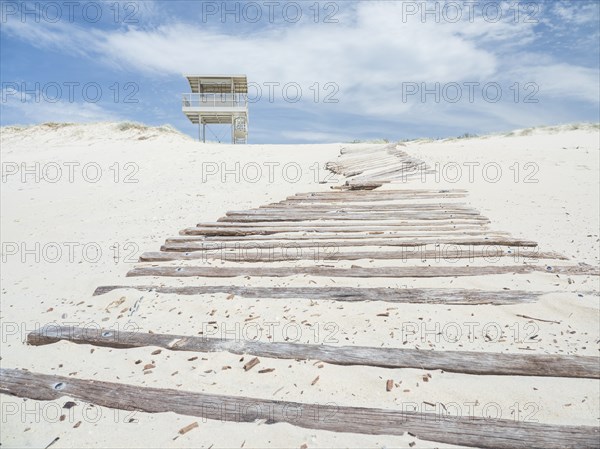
x=372 y=231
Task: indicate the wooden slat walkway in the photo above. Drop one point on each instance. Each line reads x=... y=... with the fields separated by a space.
x=360 y=213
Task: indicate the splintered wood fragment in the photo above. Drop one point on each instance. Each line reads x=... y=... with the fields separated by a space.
x=455 y=430
x=315 y=380
x=361 y=186
x=389 y=385
x=187 y=428
x=538 y=319
x=251 y=364
x=551 y=365
x=357 y=272
x=266 y=370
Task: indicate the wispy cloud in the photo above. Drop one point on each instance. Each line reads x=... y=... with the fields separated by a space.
x=26 y=108
x=370 y=55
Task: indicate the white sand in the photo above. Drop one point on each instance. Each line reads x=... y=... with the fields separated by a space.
x=561 y=212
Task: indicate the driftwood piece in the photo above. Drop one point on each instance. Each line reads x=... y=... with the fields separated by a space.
x=489 y=363
x=392 y=272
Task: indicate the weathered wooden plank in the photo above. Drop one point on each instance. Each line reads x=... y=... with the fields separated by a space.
x=358 y=219
x=204 y=245
x=301 y=235
x=360 y=214
x=383 y=199
x=458 y=430
x=399 y=170
x=298 y=205
x=371 y=162
x=267 y=230
x=317 y=221
x=277 y=254
x=498 y=364
x=349 y=294
x=383 y=159
x=345 y=198
x=341 y=166
x=393 y=272
x=392 y=192
x=379 y=194
x=398 y=211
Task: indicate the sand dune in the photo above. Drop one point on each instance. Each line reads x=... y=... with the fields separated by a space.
x=81 y=204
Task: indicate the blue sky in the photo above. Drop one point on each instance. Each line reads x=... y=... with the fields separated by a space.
x=388 y=69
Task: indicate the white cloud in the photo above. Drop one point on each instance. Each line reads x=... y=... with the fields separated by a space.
x=38 y=110
x=368 y=54
x=578 y=13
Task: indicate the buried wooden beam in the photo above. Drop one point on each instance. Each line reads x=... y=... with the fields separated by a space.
x=348 y=294
x=258 y=229
x=387 y=272
x=331 y=253
x=209 y=245
x=482 y=363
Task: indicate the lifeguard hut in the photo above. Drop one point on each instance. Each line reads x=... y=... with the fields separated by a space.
x=218 y=100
